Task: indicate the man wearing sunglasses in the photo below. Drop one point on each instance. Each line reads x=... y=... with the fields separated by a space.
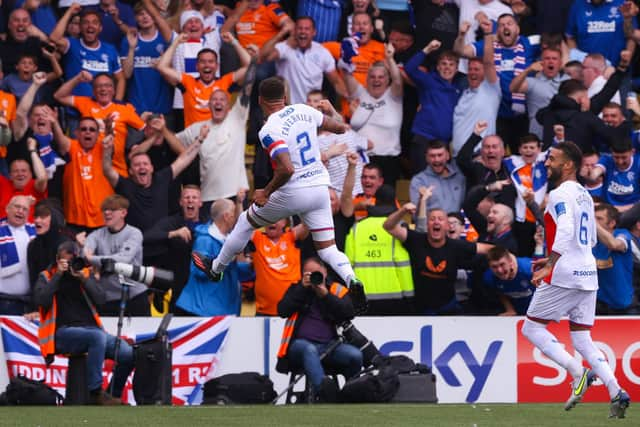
x=84 y=184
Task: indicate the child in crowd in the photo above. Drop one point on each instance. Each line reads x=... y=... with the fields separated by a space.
x=18 y=82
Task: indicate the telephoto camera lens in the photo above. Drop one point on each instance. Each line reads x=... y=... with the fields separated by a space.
x=316 y=278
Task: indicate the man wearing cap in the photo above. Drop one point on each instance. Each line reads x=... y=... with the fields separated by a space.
x=197 y=90
x=184 y=57
x=380 y=260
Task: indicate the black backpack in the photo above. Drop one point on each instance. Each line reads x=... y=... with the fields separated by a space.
x=25 y=391
x=372 y=386
x=402 y=364
x=242 y=388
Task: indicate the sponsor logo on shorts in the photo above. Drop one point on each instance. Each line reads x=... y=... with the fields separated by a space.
x=586 y=273
x=310 y=174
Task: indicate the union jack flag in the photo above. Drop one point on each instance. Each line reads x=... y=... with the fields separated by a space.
x=197 y=348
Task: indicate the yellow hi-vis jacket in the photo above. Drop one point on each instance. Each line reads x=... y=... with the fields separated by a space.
x=379 y=260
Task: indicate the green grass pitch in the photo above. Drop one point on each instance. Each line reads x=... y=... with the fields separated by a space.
x=478 y=415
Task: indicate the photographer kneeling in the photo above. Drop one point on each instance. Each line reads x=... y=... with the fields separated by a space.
x=66 y=294
x=313 y=312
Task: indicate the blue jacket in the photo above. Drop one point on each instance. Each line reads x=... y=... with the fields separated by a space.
x=438 y=99
x=205 y=298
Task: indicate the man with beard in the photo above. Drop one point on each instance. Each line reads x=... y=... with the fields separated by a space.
x=302 y=62
x=87 y=53
x=443 y=176
x=435 y=260
x=197 y=91
x=540 y=88
x=512 y=53
x=567 y=281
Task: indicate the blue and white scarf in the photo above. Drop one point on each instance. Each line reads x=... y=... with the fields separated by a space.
x=9 y=259
x=48 y=156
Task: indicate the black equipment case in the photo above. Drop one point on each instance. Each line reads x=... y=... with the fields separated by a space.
x=241 y=388
x=152 y=377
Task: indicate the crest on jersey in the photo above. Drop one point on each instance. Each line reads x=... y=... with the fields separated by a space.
x=560 y=208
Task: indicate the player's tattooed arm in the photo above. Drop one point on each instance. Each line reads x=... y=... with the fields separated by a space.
x=333 y=126
x=249 y=79
x=552 y=259
x=543 y=267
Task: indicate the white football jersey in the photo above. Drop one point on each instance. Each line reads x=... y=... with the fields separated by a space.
x=295 y=129
x=570 y=228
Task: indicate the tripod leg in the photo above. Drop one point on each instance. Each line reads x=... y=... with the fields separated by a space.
x=124 y=295
x=289 y=388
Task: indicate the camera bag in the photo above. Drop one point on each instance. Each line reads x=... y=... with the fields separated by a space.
x=25 y=391
x=416 y=387
x=417 y=382
x=372 y=386
x=402 y=364
x=241 y=388
x=152 y=377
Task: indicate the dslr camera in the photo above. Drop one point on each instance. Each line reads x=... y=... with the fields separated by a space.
x=316 y=278
x=77 y=263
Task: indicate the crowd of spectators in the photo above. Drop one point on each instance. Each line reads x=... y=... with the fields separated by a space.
x=124 y=127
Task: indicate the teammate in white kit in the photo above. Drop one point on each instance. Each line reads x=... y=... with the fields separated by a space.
x=300 y=186
x=567 y=281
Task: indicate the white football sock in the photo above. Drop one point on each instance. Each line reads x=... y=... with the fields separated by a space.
x=584 y=344
x=338 y=261
x=539 y=336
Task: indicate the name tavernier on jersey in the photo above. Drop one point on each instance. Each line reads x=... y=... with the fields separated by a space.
x=290 y=121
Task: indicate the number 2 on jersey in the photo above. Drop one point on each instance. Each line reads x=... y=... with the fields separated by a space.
x=582 y=231
x=303 y=138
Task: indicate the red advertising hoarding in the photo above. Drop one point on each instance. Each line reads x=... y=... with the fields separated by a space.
x=541 y=380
